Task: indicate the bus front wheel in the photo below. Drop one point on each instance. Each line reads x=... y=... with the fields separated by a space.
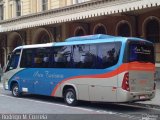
x=70 y=97
x=15 y=90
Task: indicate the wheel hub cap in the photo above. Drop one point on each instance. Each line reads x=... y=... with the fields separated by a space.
x=70 y=97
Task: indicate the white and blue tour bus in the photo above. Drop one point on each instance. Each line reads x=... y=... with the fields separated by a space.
x=90 y=68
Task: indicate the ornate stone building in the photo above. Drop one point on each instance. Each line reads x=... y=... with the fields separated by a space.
x=40 y=21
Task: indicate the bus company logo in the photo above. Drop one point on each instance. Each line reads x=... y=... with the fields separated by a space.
x=47 y=74
x=149 y=117
x=142 y=50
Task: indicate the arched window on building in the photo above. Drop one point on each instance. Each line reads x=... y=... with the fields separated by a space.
x=80 y=31
x=100 y=29
x=17 y=41
x=14 y=40
x=153 y=31
x=124 y=30
x=43 y=37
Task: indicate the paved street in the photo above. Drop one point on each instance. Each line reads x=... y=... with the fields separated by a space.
x=34 y=104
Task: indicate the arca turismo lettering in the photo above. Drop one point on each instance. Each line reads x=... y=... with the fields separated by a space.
x=47 y=74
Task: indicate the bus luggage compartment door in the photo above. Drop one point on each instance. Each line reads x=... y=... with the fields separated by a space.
x=102 y=93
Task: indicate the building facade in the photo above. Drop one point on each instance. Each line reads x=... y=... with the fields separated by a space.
x=40 y=21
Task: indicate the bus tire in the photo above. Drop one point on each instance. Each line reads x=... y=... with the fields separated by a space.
x=70 y=97
x=15 y=90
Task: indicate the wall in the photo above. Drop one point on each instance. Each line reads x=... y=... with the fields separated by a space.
x=30 y=6
x=26 y=7
x=55 y=4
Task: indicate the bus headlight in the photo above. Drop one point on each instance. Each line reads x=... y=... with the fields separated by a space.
x=5 y=85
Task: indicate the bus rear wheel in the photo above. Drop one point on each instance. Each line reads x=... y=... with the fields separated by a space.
x=15 y=90
x=70 y=97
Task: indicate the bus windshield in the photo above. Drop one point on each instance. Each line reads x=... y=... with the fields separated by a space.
x=141 y=52
x=13 y=61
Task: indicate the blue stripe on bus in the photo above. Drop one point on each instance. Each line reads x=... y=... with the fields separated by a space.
x=45 y=76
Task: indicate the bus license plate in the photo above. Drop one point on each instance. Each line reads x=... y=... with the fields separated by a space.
x=142 y=97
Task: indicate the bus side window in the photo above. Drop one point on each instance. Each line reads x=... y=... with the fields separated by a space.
x=39 y=54
x=108 y=54
x=13 y=62
x=26 y=60
x=62 y=57
x=38 y=61
x=117 y=48
x=77 y=56
x=36 y=58
x=45 y=57
x=84 y=56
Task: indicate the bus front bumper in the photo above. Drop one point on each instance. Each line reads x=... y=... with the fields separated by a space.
x=5 y=86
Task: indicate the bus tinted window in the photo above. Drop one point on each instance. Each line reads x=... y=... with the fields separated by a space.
x=35 y=58
x=141 y=52
x=41 y=57
x=62 y=57
x=108 y=54
x=84 y=56
x=26 y=60
x=90 y=56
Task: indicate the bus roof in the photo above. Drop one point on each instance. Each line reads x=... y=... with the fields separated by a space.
x=98 y=38
x=89 y=37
